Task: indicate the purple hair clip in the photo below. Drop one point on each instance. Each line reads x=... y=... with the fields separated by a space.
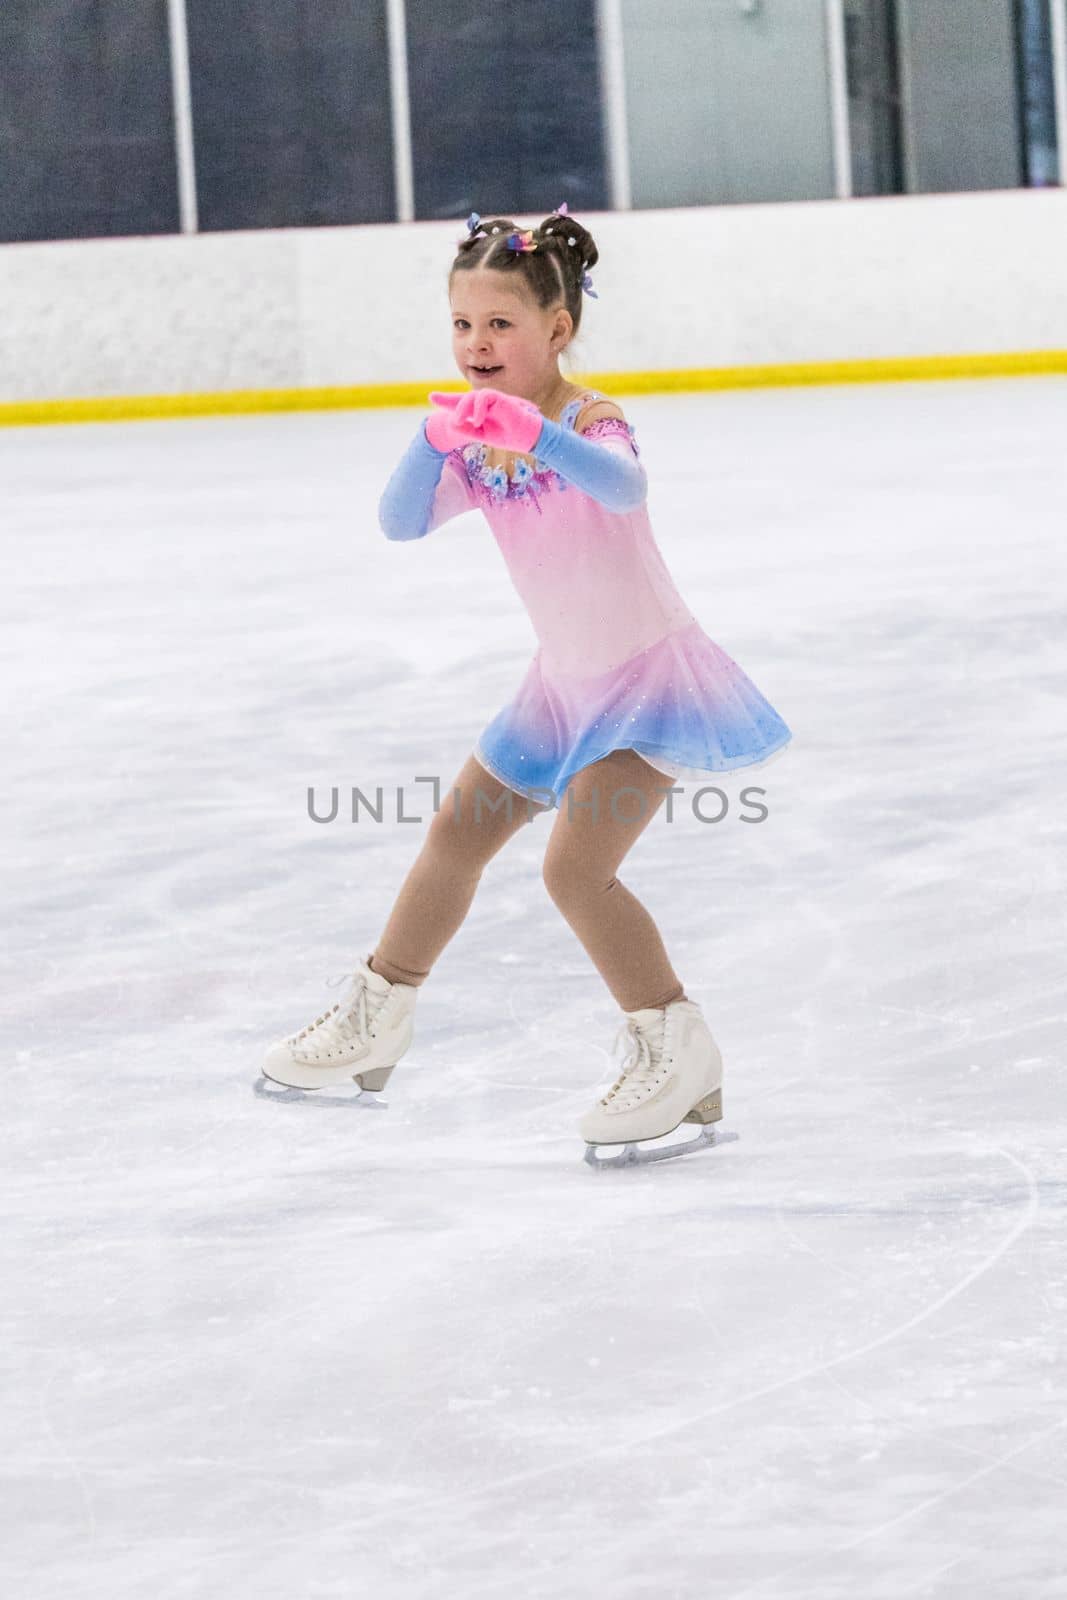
x=587 y=282
x=474 y=227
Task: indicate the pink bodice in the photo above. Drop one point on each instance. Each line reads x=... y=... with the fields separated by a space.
x=593 y=581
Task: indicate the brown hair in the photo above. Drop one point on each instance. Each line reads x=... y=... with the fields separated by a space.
x=554 y=271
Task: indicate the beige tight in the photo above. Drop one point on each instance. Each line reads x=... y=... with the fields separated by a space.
x=584 y=851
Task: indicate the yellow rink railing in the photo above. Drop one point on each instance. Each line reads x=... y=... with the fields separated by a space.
x=891 y=369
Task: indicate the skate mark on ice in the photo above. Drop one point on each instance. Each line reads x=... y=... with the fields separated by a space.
x=461 y=1366
x=649 y=1436
x=801 y=1244
x=923 y=1434
x=904 y=1516
x=65 y=1454
x=924 y=1582
x=839 y=1209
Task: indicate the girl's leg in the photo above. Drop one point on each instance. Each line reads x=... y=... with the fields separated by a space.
x=584 y=850
x=437 y=892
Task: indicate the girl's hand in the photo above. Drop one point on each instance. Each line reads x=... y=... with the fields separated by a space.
x=442 y=432
x=491 y=417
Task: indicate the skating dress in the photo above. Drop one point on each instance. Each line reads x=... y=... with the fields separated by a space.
x=622 y=662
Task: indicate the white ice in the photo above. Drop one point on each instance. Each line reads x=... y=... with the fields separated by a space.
x=418 y=1349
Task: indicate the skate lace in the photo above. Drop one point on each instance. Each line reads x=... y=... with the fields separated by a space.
x=347 y=1020
x=642 y=1071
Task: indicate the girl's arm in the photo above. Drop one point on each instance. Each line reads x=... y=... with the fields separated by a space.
x=605 y=468
x=426 y=489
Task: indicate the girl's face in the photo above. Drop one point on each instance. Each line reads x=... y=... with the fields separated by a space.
x=496 y=327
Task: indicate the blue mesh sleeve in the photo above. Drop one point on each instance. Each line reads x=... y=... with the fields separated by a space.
x=424 y=491
x=613 y=476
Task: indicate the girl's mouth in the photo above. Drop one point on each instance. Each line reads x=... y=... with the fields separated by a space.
x=484 y=372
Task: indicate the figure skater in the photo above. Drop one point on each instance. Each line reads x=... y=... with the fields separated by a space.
x=625 y=694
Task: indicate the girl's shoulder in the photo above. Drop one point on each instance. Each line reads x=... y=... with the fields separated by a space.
x=596 y=416
x=590 y=406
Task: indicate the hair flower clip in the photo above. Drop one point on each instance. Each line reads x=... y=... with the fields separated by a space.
x=522 y=241
x=474 y=227
x=587 y=285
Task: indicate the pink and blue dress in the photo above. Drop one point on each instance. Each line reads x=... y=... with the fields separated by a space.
x=622 y=663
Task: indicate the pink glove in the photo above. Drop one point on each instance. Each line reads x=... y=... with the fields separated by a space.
x=489 y=417
x=442 y=431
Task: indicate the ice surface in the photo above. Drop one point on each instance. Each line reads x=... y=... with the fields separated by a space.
x=418 y=1349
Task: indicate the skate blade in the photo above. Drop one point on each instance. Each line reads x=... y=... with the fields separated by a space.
x=636 y=1155
x=265 y=1088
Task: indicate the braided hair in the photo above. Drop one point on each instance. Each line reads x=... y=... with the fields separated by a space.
x=554 y=271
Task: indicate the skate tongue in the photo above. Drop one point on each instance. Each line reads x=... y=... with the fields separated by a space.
x=646 y=1017
x=374 y=980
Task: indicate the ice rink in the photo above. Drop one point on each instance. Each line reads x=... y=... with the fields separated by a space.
x=415 y=1348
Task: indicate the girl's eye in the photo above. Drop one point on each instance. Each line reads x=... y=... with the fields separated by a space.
x=461 y=322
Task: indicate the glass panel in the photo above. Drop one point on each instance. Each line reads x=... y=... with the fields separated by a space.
x=86 y=142
x=961 y=126
x=873 y=96
x=1037 y=94
x=291 y=113
x=731 y=102
x=505 y=107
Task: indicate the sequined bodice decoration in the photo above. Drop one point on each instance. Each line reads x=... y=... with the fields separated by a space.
x=492 y=482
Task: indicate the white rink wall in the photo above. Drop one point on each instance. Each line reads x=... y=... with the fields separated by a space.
x=689 y=288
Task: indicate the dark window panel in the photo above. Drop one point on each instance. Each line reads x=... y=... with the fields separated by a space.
x=291 y=112
x=505 y=107
x=86 y=140
x=1037 y=93
x=873 y=96
x=961 y=111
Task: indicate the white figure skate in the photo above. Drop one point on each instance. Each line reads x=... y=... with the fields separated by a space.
x=359 y=1039
x=673 y=1075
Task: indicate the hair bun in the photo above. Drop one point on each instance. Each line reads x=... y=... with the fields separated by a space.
x=552 y=258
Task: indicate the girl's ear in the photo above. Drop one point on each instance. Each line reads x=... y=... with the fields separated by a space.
x=563 y=331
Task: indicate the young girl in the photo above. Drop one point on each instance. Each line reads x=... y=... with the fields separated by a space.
x=625 y=693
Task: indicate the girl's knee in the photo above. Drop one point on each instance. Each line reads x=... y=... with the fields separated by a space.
x=566 y=877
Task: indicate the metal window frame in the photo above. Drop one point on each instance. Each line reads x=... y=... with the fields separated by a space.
x=1058 y=18
x=400 y=110
x=611 y=63
x=181 y=90
x=837 y=69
